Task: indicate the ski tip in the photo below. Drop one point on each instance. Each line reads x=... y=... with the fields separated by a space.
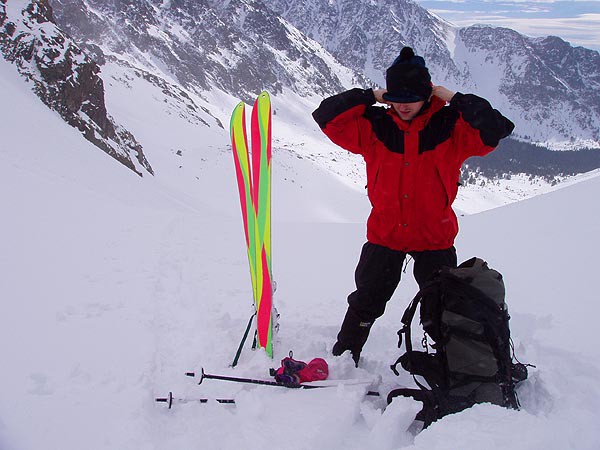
x=238 y=111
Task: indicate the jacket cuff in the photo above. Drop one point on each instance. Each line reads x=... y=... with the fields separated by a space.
x=456 y=99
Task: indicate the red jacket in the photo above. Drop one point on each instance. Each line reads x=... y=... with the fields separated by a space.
x=413 y=167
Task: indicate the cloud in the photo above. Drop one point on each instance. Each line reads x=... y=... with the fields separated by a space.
x=577 y=22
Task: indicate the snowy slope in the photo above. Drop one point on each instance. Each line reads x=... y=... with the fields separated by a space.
x=113 y=286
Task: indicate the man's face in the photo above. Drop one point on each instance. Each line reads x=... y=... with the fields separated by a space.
x=407 y=111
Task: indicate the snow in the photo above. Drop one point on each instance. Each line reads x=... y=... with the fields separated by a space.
x=115 y=285
x=488 y=194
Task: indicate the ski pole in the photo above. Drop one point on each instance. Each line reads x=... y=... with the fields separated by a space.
x=209 y=376
x=204 y=375
x=170 y=399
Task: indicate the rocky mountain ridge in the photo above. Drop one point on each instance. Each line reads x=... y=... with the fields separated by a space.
x=239 y=46
x=66 y=79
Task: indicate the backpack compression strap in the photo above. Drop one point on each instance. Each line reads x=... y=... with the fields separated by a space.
x=407 y=319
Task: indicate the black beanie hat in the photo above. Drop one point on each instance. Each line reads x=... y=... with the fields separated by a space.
x=407 y=80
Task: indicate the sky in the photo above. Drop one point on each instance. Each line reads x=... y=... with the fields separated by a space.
x=577 y=22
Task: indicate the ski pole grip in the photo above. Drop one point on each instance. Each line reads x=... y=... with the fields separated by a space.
x=168 y=400
x=202 y=375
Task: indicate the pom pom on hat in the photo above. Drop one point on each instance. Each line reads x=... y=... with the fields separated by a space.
x=407 y=56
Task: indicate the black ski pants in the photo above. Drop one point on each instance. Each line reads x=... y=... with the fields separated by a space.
x=377 y=276
x=379 y=271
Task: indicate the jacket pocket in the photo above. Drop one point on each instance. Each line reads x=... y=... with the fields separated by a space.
x=372 y=181
x=384 y=185
x=443 y=183
x=435 y=219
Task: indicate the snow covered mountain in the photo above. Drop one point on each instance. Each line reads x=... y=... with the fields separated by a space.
x=114 y=285
x=547 y=87
x=184 y=64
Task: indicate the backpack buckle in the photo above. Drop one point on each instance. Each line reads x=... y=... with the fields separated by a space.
x=401 y=332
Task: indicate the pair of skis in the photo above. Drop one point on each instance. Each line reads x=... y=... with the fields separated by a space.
x=253 y=172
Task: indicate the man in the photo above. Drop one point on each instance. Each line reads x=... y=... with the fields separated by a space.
x=413 y=153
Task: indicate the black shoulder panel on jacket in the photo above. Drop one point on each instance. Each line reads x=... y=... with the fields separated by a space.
x=385 y=129
x=333 y=106
x=478 y=113
x=438 y=129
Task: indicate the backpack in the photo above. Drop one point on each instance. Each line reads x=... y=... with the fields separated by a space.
x=463 y=311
